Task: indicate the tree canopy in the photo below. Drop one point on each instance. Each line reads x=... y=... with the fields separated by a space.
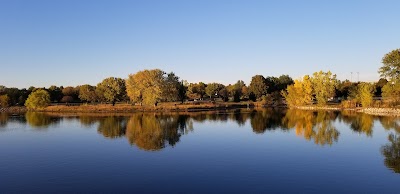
x=38 y=99
x=391 y=65
x=213 y=89
x=87 y=93
x=153 y=86
x=299 y=93
x=112 y=89
x=324 y=84
x=258 y=86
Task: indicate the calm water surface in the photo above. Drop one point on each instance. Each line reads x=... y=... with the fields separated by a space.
x=277 y=151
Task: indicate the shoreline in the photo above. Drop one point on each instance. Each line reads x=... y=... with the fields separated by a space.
x=371 y=111
x=178 y=108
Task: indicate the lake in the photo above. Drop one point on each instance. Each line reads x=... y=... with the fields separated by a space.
x=241 y=151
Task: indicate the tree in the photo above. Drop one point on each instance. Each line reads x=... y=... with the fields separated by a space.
x=343 y=88
x=379 y=85
x=55 y=93
x=237 y=90
x=2 y=89
x=70 y=94
x=391 y=65
x=67 y=99
x=300 y=93
x=258 y=86
x=196 y=90
x=223 y=93
x=13 y=95
x=272 y=83
x=391 y=92
x=182 y=91
x=4 y=101
x=213 y=89
x=146 y=86
x=87 y=93
x=38 y=99
x=324 y=84
x=363 y=94
x=112 y=89
x=283 y=82
x=171 y=88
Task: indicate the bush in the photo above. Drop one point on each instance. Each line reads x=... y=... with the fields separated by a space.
x=38 y=99
x=348 y=104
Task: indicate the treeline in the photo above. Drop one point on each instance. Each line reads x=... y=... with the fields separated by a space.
x=147 y=87
x=322 y=87
x=154 y=86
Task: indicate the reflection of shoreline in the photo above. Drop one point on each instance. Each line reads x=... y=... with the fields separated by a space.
x=311 y=125
x=156 y=131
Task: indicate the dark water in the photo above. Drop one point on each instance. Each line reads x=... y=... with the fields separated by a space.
x=276 y=151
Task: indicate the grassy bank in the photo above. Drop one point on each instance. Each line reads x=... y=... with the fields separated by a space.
x=161 y=107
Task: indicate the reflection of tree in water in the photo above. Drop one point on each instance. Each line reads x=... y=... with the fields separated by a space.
x=152 y=131
x=326 y=132
x=112 y=127
x=239 y=116
x=359 y=122
x=88 y=121
x=3 y=119
x=391 y=152
x=270 y=119
x=390 y=122
x=310 y=125
x=40 y=120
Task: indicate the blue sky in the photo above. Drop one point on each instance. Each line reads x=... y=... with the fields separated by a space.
x=74 y=42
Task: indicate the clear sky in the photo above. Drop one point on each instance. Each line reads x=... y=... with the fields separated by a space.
x=75 y=42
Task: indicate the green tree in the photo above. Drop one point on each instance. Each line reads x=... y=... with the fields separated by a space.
x=38 y=99
x=87 y=93
x=146 y=86
x=196 y=90
x=391 y=65
x=13 y=95
x=391 y=92
x=364 y=94
x=171 y=88
x=258 y=86
x=182 y=88
x=213 y=89
x=283 y=82
x=324 y=84
x=55 y=93
x=112 y=89
x=4 y=101
x=237 y=90
x=379 y=85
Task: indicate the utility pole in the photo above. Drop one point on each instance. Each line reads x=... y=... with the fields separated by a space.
x=351 y=78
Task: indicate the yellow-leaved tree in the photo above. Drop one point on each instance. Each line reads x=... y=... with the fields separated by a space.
x=146 y=86
x=299 y=93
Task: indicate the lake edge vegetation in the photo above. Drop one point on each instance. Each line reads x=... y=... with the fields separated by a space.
x=157 y=90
